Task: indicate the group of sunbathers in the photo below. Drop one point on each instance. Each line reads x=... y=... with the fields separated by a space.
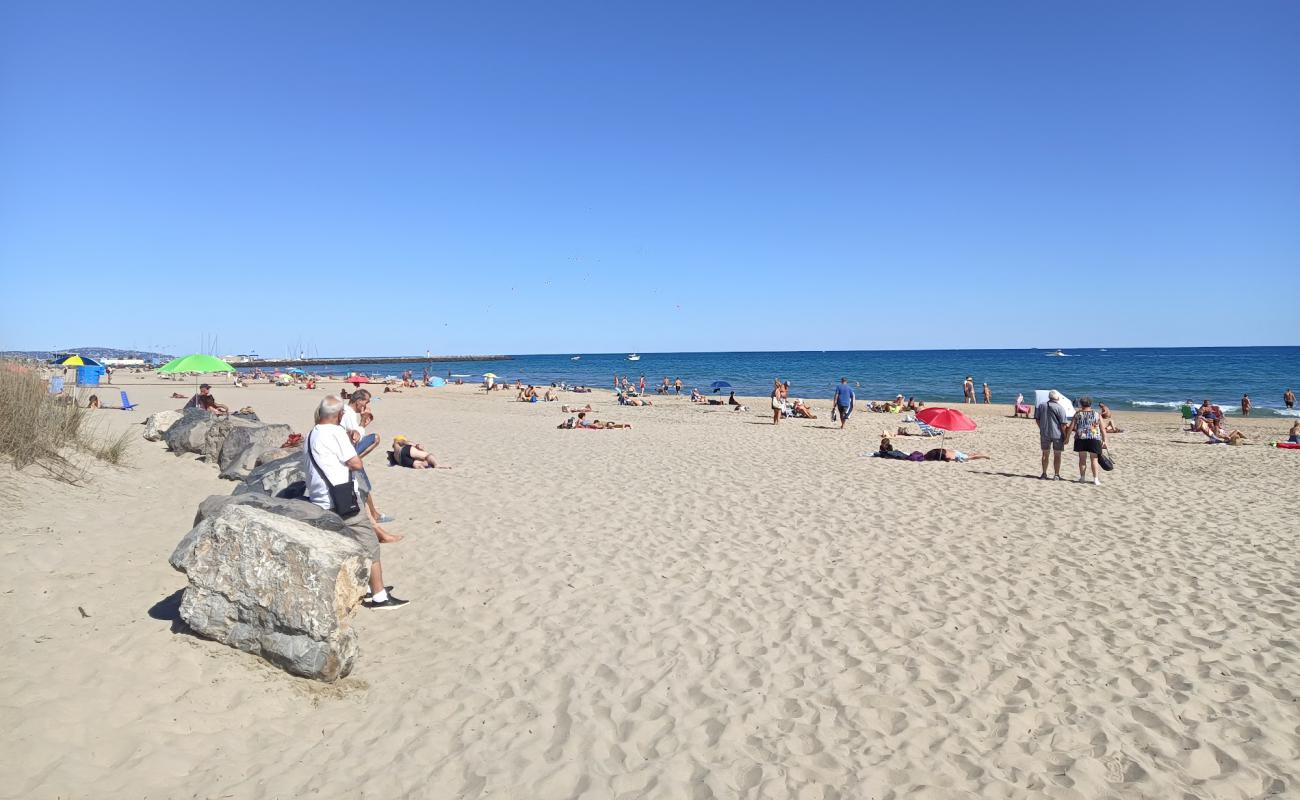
x=1208 y=420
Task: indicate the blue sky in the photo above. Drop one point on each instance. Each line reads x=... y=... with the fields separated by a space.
x=588 y=177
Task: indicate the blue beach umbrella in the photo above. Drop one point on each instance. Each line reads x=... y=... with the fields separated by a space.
x=437 y=382
x=295 y=370
x=718 y=386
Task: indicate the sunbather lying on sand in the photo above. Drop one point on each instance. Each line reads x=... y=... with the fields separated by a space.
x=802 y=410
x=903 y=431
x=575 y=409
x=411 y=454
x=623 y=399
x=1221 y=436
x=583 y=422
x=948 y=454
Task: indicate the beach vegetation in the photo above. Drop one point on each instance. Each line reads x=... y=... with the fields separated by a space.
x=50 y=431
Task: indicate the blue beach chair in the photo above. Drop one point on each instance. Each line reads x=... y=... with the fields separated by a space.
x=127 y=405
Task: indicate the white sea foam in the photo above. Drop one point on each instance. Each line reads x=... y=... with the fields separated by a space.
x=1155 y=404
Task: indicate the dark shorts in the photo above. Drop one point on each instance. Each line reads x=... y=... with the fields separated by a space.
x=1088 y=446
x=844 y=411
x=1051 y=444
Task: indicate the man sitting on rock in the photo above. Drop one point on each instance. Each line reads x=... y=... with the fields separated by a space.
x=206 y=401
x=329 y=458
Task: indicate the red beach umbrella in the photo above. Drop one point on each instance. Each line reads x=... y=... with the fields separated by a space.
x=356 y=380
x=945 y=419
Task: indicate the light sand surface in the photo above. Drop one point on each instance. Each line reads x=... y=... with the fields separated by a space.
x=702 y=606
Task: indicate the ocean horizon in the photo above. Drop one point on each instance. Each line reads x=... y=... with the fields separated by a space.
x=1135 y=378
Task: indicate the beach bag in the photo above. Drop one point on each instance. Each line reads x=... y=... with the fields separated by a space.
x=343 y=498
x=834 y=411
x=1106 y=461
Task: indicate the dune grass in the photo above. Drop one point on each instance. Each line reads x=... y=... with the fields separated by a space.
x=42 y=430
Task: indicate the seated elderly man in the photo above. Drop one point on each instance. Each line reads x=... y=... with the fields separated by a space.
x=329 y=457
x=206 y=401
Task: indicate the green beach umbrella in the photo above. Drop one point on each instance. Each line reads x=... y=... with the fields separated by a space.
x=196 y=362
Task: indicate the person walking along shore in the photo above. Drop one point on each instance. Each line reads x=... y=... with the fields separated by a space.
x=1052 y=422
x=844 y=399
x=1089 y=438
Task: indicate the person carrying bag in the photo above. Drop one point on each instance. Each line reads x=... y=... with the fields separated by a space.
x=343 y=496
x=331 y=452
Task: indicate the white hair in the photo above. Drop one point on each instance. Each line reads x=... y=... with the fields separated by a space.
x=329 y=408
x=1053 y=395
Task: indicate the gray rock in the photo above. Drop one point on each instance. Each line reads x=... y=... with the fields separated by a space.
x=243 y=444
x=217 y=434
x=155 y=427
x=300 y=510
x=281 y=478
x=276 y=454
x=189 y=433
x=274 y=587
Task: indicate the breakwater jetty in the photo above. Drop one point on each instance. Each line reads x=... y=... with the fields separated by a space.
x=350 y=360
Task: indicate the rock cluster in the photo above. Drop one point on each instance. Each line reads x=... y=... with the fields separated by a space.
x=234 y=444
x=268 y=573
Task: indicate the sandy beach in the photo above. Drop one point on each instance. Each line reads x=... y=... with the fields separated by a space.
x=703 y=606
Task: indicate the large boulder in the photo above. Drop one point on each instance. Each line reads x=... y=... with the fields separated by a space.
x=280 y=478
x=244 y=443
x=300 y=510
x=189 y=433
x=156 y=426
x=274 y=587
x=216 y=435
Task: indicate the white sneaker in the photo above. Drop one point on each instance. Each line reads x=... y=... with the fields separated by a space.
x=1096 y=481
x=1083 y=479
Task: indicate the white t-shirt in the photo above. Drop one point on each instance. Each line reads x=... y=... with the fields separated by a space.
x=352 y=420
x=332 y=449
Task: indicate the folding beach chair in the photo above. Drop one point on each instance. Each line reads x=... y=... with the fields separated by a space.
x=928 y=430
x=127 y=405
x=56 y=385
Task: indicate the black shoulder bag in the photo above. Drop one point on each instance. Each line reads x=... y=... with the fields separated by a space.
x=343 y=497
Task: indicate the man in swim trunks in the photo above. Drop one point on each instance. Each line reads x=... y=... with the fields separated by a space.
x=844 y=399
x=1051 y=422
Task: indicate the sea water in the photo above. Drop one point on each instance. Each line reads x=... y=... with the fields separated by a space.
x=1132 y=378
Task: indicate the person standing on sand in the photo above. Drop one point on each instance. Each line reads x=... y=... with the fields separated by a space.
x=1089 y=438
x=777 y=401
x=1245 y=405
x=968 y=390
x=844 y=399
x=641 y=385
x=988 y=396
x=677 y=386
x=1051 y=432
x=328 y=458
x=1288 y=399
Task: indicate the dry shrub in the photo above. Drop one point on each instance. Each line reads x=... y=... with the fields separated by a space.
x=37 y=428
